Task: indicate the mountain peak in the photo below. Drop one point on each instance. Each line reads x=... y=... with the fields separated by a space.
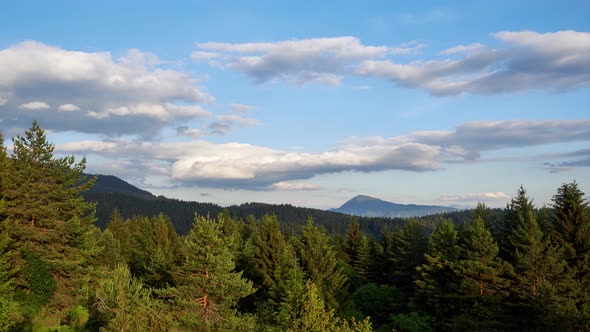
x=367 y=206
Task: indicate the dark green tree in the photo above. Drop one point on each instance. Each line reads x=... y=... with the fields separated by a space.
x=571 y=230
x=437 y=284
x=318 y=259
x=207 y=287
x=357 y=254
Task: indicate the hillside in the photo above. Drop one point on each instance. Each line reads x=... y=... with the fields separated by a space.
x=367 y=206
x=112 y=193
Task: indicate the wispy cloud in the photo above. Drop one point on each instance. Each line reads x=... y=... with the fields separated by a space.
x=524 y=60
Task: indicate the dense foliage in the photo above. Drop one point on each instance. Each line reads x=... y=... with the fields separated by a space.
x=523 y=269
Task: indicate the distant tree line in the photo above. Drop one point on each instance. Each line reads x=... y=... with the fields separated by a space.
x=523 y=268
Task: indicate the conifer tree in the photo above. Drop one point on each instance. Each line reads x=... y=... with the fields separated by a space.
x=410 y=244
x=357 y=252
x=272 y=262
x=437 y=282
x=207 y=288
x=519 y=208
x=46 y=216
x=318 y=260
x=571 y=230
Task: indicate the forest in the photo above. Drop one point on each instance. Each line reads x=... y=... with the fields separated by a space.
x=522 y=268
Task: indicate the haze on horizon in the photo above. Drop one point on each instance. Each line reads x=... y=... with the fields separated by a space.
x=309 y=104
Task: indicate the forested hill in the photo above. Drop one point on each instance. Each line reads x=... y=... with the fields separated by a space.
x=367 y=206
x=112 y=193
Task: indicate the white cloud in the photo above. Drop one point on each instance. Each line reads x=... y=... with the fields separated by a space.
x=478 y=197
x=316 y=60
x=134 y=94
x=235 y=165
x=189 y=132
x=201 y=56
x=68 y=108
x=241 y=107
x=3 y=101
x=475 y=47
x=34 y=105
x=225 y=123
x=525 y=60
x=289 y=186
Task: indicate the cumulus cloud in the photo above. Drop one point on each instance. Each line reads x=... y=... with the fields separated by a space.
x=68 y=108
x=133 y=94
x=202 y=56
x=3 y=101
x=225 y=123
x=529 y=60
x=524 y=60
x=316 y=60
x=34 y=105
x=235 y=165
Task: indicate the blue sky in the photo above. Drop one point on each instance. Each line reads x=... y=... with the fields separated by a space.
x=308 y=103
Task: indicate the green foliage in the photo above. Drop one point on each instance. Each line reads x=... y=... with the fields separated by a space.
x=304 y=310
x=412 y=322
x=319 y=262
x=207 y=288
x=125 y=305
x=78 y=317
x=377 y=301
x=39 y=277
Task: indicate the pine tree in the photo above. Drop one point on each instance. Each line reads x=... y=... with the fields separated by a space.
x=318 y=260
x=207 y=288
x=571 y=230
x=483 y=277
x=410 y=244
x=358 y=255
x=437 y=282
x=518 y=209
x=46 y=216
x=126 y=305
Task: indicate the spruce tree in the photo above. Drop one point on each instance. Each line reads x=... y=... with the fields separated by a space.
x=318 y=260
x=207 y=287
x=571 y=230
x=437 y=281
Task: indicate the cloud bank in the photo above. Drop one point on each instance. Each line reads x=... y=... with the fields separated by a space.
x=244 y=166
x=524 y=60
x=133 y=94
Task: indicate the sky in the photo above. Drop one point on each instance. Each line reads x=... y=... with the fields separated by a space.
x=308 y=102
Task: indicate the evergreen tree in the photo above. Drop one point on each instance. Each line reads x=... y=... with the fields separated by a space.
x=483 y=282
x=207 y=288
x=571 y=230
x=519 y=208
x=318 y=260
x=46 y=216
x=357 y=253
x=125 y=305
x=410 y=243
x=271 y=263
x=305 y=311
x=437 y=283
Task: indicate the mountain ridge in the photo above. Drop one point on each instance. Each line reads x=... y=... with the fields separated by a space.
x=367 y=206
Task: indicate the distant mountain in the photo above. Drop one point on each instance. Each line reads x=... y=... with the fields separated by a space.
x=112 y=184
x=110 y=193
x=367 y=206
